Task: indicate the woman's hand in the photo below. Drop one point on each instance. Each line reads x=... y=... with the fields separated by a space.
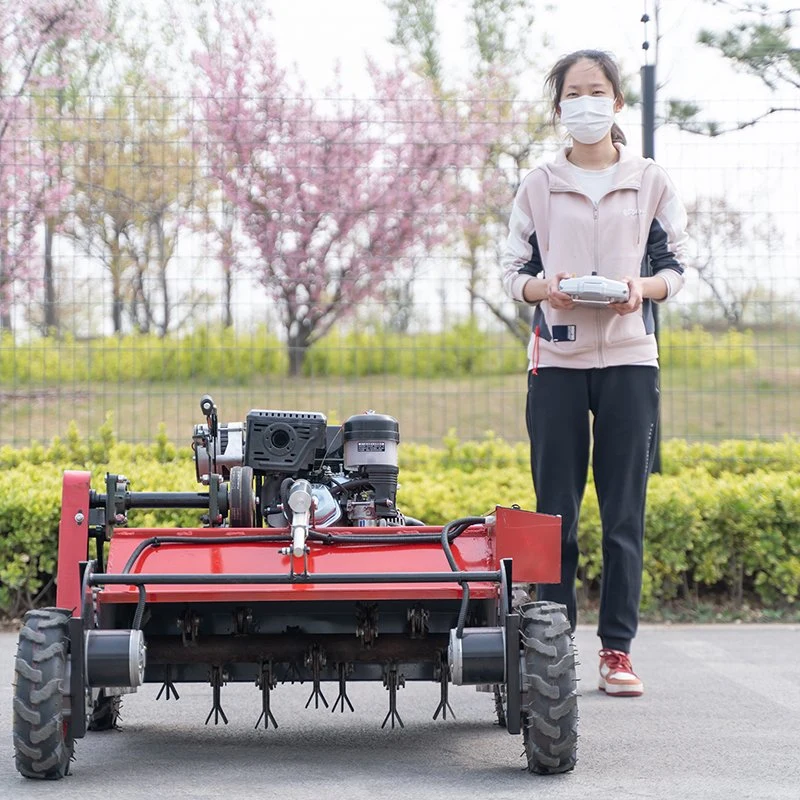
x=555 y=296
x=634 y=301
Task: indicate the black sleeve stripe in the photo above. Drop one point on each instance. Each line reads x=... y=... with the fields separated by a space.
x=661 y=257
x=533 y=266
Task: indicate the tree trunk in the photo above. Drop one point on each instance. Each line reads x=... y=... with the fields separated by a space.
x=162 y=275
x=50 y=315
x=117 y=302
x=227 y=302
x=5 y=299
x=297 y=344
x=473 y=279
x=141 y=313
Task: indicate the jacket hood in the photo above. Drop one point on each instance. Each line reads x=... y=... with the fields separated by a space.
x=630 y=169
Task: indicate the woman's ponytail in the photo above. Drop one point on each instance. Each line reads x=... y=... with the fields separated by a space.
x=617 y=135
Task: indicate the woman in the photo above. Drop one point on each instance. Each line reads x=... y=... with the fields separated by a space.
x=597 y=208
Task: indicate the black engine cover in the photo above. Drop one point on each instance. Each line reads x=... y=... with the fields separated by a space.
x=284 y=442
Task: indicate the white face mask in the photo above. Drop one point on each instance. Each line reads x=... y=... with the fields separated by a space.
x=588 y=119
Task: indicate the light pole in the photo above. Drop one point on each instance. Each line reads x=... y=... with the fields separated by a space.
x=648 y=77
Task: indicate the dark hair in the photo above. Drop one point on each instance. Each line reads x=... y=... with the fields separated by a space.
x=554 y=83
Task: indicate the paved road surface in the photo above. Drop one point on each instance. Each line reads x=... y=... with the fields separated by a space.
x=721 y=719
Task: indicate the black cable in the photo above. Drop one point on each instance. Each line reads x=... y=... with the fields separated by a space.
x=462 y=612
x=457 y=528
x=137 y=617
x=157 y=541
x=447 y=537
x=286 y=484
x=454 y=530
x=356 y=483
x=463 y=524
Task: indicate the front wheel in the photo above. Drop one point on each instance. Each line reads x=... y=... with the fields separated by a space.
x=549 y=688
x=42 y=742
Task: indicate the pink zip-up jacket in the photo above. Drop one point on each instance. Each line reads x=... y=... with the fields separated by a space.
x=637 y=228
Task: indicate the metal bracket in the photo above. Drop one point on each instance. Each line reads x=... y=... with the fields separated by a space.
x=287 y=551
x=77 y=679
x=419 y=617
x=367 y=623
x=242 y=621
x=215 y=515
x=189 y=625
x=513 y=679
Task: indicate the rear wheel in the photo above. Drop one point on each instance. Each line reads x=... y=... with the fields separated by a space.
x=105 y=712
x=500 y=703
x=42 y=742
x=242 y=498
x=549 y=689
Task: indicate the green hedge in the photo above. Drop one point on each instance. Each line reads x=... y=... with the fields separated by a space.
x=697 y=348
x=138 y=357
x=461 y=351
x=728 y=524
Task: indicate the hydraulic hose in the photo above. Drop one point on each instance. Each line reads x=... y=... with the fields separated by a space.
x=450 y=531
x=454 y=530
x=462 y=524
x=157 y=541
x=137 y=617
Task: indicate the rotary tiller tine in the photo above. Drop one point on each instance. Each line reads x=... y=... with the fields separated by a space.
x=444 y=687
x=343 y=698
x=266 y=682
x=316 y=695
x=315 y=659
x=217 y=680
x=168 y=686
x=392 y=681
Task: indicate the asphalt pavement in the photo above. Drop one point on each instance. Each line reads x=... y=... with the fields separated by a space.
x=720 y=718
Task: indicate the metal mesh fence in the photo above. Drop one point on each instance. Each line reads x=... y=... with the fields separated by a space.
x=347 y=257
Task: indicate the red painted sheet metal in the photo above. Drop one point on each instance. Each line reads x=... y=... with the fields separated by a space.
x=472 y=551
x=532 y=541
x=73 y=538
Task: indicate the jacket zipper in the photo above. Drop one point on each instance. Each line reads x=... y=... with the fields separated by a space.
x=598 y=326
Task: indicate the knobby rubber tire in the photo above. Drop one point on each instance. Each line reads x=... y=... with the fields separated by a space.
x=500 y=703
x=242 y=498
x=550 y=693
x=42 y=744
x=105 y=712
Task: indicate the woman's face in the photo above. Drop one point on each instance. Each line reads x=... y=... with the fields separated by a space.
x=585 y=77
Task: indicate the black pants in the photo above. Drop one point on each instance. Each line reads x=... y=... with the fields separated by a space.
x=624 y=405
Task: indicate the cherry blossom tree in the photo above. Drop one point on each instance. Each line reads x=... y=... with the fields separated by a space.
x=27 y=195
x=507 y=131
x=332 y=194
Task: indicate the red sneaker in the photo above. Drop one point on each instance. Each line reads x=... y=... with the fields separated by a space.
x=617 y=677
